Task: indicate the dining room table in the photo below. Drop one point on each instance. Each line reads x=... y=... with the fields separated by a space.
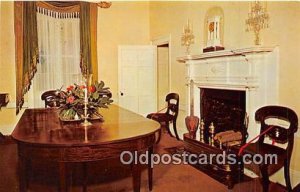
x=42 y=136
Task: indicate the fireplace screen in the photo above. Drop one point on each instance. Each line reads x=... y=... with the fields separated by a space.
x=225 y=108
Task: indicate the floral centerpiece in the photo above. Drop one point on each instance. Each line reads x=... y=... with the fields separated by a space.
x=83 y=101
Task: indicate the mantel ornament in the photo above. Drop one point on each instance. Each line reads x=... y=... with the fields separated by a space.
x=214 y=29
x=258 y=19
x=187 y=38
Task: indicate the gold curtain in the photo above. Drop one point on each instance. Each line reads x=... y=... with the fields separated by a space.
x=26 y=48
x=88 y=39
x=27 y=43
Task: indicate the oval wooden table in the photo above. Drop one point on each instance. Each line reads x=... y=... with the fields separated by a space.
x=41 y=136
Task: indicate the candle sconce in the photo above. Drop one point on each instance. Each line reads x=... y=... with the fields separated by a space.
x=187 y=38
x=258 y=19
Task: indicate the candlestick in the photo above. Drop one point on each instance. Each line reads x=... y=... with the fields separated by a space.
x=187 y=37
x=85 y=94
x=85 y=135
x=258 y=19
x=86 y=101
x=212 y=132
x=202 y=130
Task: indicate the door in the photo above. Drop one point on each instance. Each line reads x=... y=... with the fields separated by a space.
x=137 y=78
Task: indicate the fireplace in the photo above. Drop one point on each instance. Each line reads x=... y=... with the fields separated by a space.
x=225 y=108
x=233 y=83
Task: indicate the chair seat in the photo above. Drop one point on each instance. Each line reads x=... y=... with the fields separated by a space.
x=263 y=149
x=160 y=117
x=256 y=148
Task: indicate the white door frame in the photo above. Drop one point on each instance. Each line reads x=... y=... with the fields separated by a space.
x=161 y=40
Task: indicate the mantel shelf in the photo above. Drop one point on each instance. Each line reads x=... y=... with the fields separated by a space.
x=225 y=53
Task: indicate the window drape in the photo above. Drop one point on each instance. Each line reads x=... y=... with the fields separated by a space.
x=88 y=39
x=59 y=48
x=26 y=48
x=26 y=39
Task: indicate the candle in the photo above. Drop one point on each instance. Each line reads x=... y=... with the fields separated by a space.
x=85 y=94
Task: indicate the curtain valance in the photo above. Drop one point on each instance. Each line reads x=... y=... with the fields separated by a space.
x=56 y=14
x=62 y=10
x=60 y=6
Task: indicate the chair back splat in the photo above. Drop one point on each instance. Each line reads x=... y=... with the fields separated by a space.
x=170 y=116
x=279 y=124
x=53 y=98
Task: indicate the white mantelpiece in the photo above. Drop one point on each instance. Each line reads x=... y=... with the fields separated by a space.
x=253 y=70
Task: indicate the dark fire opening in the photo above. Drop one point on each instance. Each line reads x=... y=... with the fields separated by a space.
x=225 y=108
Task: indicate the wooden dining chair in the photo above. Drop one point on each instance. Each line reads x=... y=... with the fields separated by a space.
x=53 y=98
x=170 y=116
x=270 y=118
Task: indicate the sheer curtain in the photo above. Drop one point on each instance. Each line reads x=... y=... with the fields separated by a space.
x=59 y=48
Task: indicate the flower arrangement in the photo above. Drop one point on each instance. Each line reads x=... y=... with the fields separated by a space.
x=76 y=97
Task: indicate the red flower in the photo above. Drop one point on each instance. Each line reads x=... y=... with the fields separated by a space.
x=92 y=89
x=70 y=88
x=70 y=99
x=82 y=87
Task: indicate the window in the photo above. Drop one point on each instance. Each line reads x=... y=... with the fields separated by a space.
x=59 y=49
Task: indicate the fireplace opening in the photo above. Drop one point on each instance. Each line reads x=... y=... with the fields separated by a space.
x=225 y=108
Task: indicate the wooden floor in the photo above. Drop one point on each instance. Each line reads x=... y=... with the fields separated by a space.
x=110 y=176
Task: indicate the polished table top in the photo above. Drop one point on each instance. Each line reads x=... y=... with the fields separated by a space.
x=43 y=127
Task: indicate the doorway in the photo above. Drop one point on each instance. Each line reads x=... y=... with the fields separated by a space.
x=163 y=74
x=163 y=69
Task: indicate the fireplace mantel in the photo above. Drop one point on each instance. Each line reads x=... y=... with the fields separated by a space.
x=226 y=53
x=253 y=70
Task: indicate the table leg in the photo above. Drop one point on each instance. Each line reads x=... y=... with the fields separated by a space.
x=150 y=169
x=84 y=166
x=22 y=174
x=62 y=176
x=136 y=175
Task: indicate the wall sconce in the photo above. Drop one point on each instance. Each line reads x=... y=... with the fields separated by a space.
x=187 y=37
x=258 y=19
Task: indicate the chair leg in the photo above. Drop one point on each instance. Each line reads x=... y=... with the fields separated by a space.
x=159 y=135
x=168 y=128
x=265 y=178
x=175 y=130
x=287 y=175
